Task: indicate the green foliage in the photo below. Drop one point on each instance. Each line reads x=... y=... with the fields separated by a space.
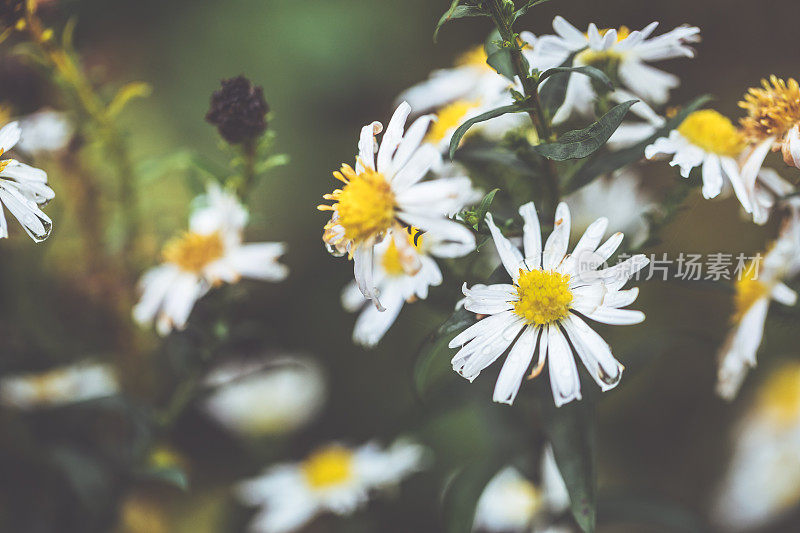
x=459 y=9
x=494 y=113
x=464 y=491
x=527 y=6
x=498 y=56
x=578 y=144
x=552 y=93
x=434 y=356
x=475 y=218
x=594 y=73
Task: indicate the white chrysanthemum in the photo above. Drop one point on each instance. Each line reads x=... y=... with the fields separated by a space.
x=541 y=311
x=210 y=254
x=708 y=140
x=759 y=285
x=511 y=503
x=70 y=384
x=22 y=190
x=620 y=199
x=622 y=52
x=762 y=483
x=333 y=479
x=44 y=131
x=387 y=193
x=267 y=395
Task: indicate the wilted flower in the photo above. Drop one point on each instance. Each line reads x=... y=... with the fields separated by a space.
x=22 y=190
x=387 y=194
x=759 y=286
x=622 y=54
x=209 y=254
x=334 y=479
x=763 y=478
x=59 y=386
x=238 y=110
x=510 y=503
x=538 y=312
x=266 y=395
x=709 y=140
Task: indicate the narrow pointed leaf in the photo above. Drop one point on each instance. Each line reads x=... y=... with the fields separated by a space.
x=463 y=128
x=578 y=144
x=484 y=207
x=594 y=73
x=457 y=11
x=552 y=93
x=528 y=5
x=434 y=355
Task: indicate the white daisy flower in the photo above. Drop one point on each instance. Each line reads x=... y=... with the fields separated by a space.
x=387 y=192
x=333 y=479
x=22 y=190
x=209 y=254
x=540 y=310
x=760 y=284
x=708 y=140
x=44 y=131
x=510 y=503
x=767 y=191
x=762 y=482
x=266 y=395
x=60 y=386
x=620 y=199
x=623 y=54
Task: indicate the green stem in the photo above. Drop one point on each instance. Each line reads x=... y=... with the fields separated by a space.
x=249 y=150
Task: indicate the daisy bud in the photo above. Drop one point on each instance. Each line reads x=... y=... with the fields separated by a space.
x=238 y=110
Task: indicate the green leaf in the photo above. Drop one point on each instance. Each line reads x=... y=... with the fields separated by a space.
x=170 y=475
x=592 y=72
x=463 y=492
x=634 y=508
x=524 y=9
x=494 y=113
x=434 y=355
x=571 y=431
x=552 y=93
x=609 y=162
x=578 y=144
x=501 y=62
x=457 y=11
x=484 y=206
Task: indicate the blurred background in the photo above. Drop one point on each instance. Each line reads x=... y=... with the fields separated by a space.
x=327 y=68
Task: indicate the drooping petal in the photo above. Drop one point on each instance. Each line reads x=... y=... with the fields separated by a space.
x=594 y=352
x=367 y=146
x=515 y=366
x=363 y=259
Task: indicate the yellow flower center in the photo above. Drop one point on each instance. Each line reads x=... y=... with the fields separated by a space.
x=600 y=59
x=392 y=260
x=365 y=205
x=474 y=57
x=748 y=291
x=448 y=118
x=713 y=132
x=192 y=252
x=327 y=467
x=780 y=396
x=772 y=110
x=543 y=296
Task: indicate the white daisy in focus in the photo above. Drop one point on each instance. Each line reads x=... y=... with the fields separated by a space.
x=541 y=311
x=387 y=192
x=622 y=54
x=620 y=199
x=22 y=190
x=333 y=479
x=708 y=140
x=59 y=386
x=760 y=284
x=209 y=254
x=265 y=396
x=762 y=482
x=44 y=131
x=511 y=503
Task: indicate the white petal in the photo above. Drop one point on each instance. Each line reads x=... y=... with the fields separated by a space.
x=411 y=141
x=35 y=222
x=556 y=246
x=531 y=235
x=594 y=352
x=608 y=248
x=475 y=359
x=620 y=298
x=483 y=327
x=418 y=165
x=392 y=137
x=259 y=261
x=712 y=176
x=9 y=136
x=517 y=362
x=452 y=239
x=509 y=255
x=564 y=379
x=367 y=146
x=372 y=324
x=783 y=294
x=617 y=317
x=363 y=259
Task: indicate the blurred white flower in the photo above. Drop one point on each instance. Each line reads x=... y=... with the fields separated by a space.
x=623 y=54
x=759 y=285
x=768 y=191
x=618 y=198
x=44 y=131
x=762 y=482
x=22 y=190
x=709 y=140
x=387 y=194
x=333 y=479
x=69 y=384
x=266 y=395
x=210 y=254
x=510 y=503
x=539 y=309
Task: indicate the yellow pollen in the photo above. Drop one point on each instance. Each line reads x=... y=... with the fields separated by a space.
x=193 y=251
x=365 y=205
x=448 y=118
x=780 y=396
x=543 y=296
x=330 y=466
x=392 y=261
x=748 y=291
x=772 y=110
x=597 y=58
x=713 y=132
x=474 y=57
